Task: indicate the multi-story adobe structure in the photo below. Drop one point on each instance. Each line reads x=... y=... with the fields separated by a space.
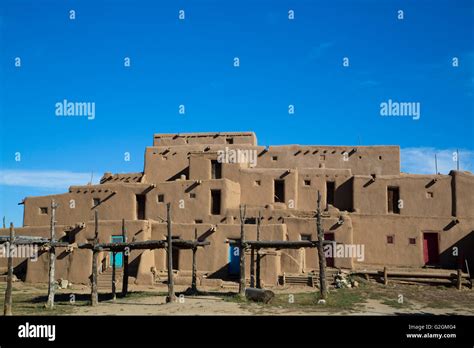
x=400 y=219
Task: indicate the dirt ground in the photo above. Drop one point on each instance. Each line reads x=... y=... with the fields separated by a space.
x=369 y=298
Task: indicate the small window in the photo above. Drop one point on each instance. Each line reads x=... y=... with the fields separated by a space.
x=95 y=202
x=307 y=183
x=305 y=237
x=279 y=191
x=258 y=183
x=360 y=157
x=322 y=157
x=215 y=202
x=429 y=194
x=412 y=241
x=380 y=157
x=161 y=198
x=229 y=141
x=390 y=239
x=192 y=195
x=250 y=221
x=43 y=210
x=199 y=221
x=216 y=170
x=393 y=198
x=274 y=158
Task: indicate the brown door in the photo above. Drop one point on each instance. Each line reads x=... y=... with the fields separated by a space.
x=329 y=260
x=430 y=248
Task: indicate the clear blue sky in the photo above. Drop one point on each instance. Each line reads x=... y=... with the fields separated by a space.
x=190 y=62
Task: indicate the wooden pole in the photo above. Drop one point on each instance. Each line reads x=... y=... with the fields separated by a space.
x=114 y=290
x=321 y=257
x=193 y=282
x=258 y=250
x=252 y=267
x=95 y=256
x=7 y=308
x=171 y=295
x=459 y=279
x=242 y=250
x=52 y=258
x=125 y=262
x=385 y=276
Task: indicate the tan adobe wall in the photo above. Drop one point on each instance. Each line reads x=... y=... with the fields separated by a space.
x=205 y=138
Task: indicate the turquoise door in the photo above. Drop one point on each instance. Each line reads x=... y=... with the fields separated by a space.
x=118 y=256
x=234 y=259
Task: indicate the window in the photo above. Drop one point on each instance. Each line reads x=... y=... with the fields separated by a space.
x=161 y=198
x=380 y=157
x=43 y=210
x=393 y=196
x=330 y=190
x=215 y=202
x=274 y=158
x=429 y=194
x=412 y=241
x=175 y=255
x=95 y=202
x=305 y=237
x=250 y=221
x=192 y=195
x=199 y=221
x=229 y=141
x=258 y=183
x=307 y=182
x=322 y=157
x=390 y=239
x=279 y=191
x=216 y=170
x=140 y=205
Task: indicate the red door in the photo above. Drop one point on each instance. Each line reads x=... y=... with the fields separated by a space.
x=329 y=260
x=430 y=248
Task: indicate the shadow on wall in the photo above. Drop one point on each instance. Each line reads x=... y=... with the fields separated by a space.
x=465 y=248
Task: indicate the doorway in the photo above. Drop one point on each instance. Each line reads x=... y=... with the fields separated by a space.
x=430 y=248
x=329 y=260
x=118 y=255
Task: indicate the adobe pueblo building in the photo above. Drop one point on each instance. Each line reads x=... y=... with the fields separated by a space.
x=400 y=219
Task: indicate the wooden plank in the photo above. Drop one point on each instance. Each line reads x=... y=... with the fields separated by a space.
x=243 y=210
x=114 y=295
x=95 y=256
x=125 y=262
x=7 y=307
x=259 y=221
x=171 y=296
x=52 y=258
x=194 y=275
x=321 y=256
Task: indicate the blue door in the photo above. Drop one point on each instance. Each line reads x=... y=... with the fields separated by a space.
x=118 y=256
x=234 y=259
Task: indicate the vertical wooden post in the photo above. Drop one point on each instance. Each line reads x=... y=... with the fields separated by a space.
x=321 y=257
x=52 y=257
x=7 y=307
x=171 y=295
x=125 y=262
x=95 y=256
x=114 y=290
x=193 y=282
x=385 y=276
x=258 y=284
x=459 y=279
x=243 y=210
x=252 y=267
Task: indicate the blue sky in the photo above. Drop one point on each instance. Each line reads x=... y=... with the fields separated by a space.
x=190 y=62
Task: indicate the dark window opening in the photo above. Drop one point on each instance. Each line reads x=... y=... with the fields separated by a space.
x=175 y=256
x=140 y=203
x=229 y=141
x=330 y=190
x=215 y=202
x=390 y=239
x=198 y=221
x=44 y=210
x=161 y=198
x=393 y=196
x=95 y=202
x=305 y=237
x=307 y=182
x=279 y=191
x=274 y=158
x=412 y=241
x=258 y=183
x=250 y=221
x=216 y=170
x=192 y=195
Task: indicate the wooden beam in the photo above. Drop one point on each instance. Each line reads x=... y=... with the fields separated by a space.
x=52 y=258
x=125 y=262
x=243 y=210
x=194 y=276
x=252 y=267
x=259 y=220
x=459 y=279
x=385 y=276
x=321 y=256
x=7 y=307
x=95 y=256
x=171 y=296
x=114 y=290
